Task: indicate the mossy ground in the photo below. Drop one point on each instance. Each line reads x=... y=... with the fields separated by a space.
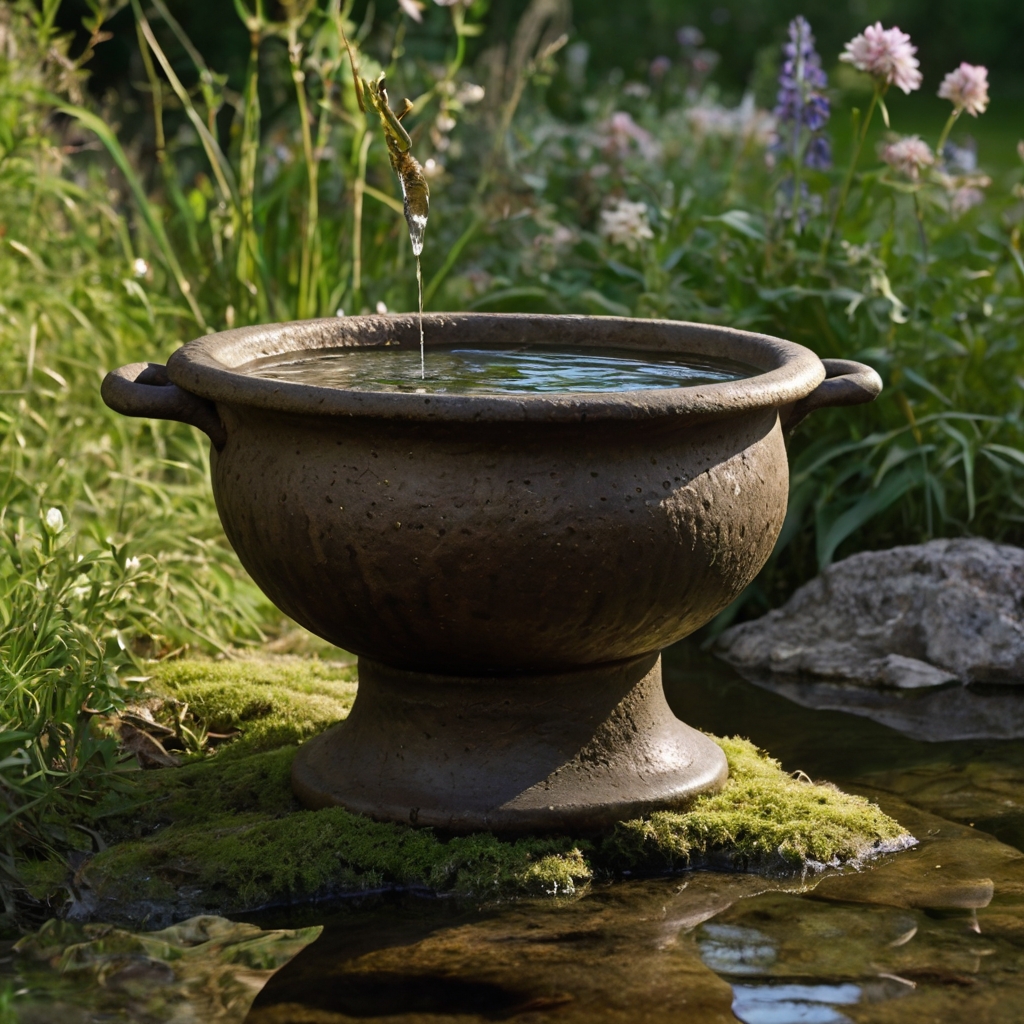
x=223 y=832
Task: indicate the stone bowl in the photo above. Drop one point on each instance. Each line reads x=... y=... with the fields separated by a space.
x=506 y=567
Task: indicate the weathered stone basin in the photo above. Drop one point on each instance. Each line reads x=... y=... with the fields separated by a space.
x=507 y=568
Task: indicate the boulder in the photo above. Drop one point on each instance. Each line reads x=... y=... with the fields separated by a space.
x=911 y=618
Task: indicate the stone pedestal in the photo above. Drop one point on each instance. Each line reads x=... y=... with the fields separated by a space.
x=572 y=752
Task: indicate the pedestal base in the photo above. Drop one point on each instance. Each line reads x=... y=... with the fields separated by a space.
x=569 y=752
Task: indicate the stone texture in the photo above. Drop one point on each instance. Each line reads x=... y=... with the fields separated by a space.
x=913 y=617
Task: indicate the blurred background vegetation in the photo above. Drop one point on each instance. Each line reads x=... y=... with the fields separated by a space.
x=171 y=167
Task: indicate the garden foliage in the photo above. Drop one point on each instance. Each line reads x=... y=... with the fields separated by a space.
x=124 y=232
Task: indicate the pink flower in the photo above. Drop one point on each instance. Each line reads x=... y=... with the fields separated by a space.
x=966 y=88
x=887 y=54
x=964 y=198
x=620 y=133
x=908 y=155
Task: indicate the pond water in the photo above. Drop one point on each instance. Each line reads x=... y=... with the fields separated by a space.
x=932 y=934
x=469 y=371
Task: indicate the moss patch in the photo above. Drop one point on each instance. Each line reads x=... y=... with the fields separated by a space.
x=269 y=703
x=225 y=833
x=763 y=818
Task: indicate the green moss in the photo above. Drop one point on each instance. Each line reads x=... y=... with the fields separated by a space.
x=270 y=703
x=226 y=834
x=244 y=861
x=763 y=818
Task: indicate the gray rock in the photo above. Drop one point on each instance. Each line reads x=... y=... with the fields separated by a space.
x=914 y=617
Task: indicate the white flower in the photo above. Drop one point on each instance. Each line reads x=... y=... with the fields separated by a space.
x=637 y=90
x=339 y=311
x=54 y=521
x=909 y=155
x=887 y=54
x=966 y=88
x=414 y=8
x=140 y=268
x=746 y=122
x=131 y=564
x=470 y=93
x=382 y=307
x=625 y=223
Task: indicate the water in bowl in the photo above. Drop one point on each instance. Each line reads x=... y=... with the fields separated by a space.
x=521 y=370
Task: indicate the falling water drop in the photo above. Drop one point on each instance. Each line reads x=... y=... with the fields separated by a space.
x=419 y=286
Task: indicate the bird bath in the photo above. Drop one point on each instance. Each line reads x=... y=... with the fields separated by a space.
x=507 y=566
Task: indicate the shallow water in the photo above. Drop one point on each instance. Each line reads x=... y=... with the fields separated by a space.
x=932 y=934
x=468 y=371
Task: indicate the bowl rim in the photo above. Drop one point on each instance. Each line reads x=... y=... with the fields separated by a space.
x=209 y=367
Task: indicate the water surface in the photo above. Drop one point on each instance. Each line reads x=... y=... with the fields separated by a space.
x=532 y=369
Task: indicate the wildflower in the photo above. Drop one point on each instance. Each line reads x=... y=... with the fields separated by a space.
x=690 y=37
x=625 y=223
x=659 y=68
x=636 y=90
x=960 y=159
x=54 y=521
x=966 y=88
x=964 y=198
x=800 y=103
x=140 y=268
x=819 y=153
x=413 y=8
x=887 y=54
x=620 y=133
x=908 y=155
x=132 y=564
x=382 y=307
x=470 y=93
x=746 y=122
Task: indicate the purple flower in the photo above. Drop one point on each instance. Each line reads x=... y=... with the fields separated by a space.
x=801 y=104
x=819 y=153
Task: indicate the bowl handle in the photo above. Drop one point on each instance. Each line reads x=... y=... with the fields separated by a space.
x=143 y=389
x=846 y=383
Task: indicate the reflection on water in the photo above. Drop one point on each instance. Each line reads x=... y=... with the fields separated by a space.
x=732 y=950
x=793 y=1004
x=525 y=370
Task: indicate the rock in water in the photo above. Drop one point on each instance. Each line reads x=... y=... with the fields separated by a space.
x=912 y=617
